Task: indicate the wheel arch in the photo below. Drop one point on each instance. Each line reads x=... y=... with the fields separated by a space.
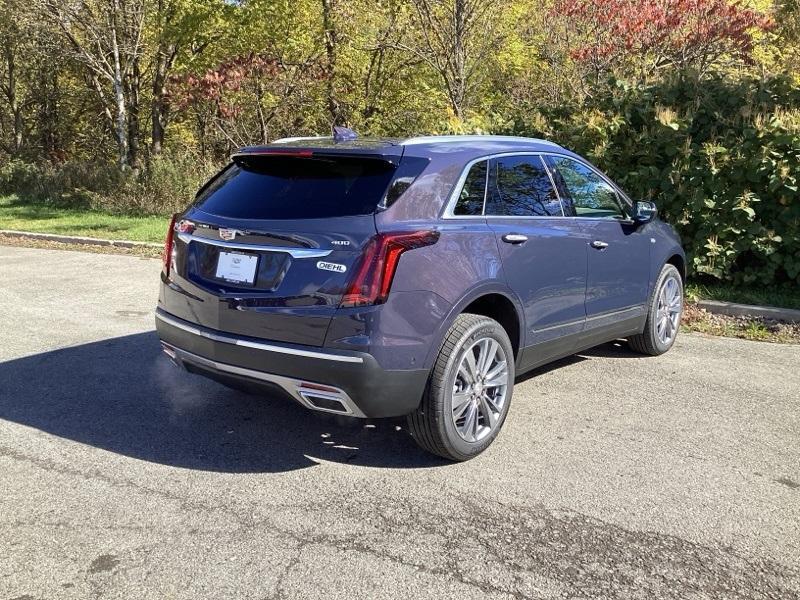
x=495 y=301
x=678 y=261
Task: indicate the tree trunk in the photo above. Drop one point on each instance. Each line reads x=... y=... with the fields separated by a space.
x=119 y=94
x=163 y=63
x=48 y=113
x=330 y=52
x=458 y=91
x=11 y=96
x=134 y=81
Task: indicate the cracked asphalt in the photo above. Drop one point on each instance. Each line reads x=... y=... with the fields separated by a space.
x=616 y=476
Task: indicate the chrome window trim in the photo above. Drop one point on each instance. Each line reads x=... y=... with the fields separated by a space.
x=447 y=212
x=553 y=183
x=235 y=341
x=293 y=252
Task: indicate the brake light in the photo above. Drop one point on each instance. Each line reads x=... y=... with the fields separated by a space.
x=168 y=241
x=373 y=276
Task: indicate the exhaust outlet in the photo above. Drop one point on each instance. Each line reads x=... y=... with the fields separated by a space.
x=325 y=403
x=172 y=355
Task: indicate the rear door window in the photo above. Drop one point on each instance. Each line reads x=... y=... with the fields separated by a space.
x=519 y=186
x=277 y=187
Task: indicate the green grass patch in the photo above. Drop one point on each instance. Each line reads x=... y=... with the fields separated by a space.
x=782 y=297
x=41 y=218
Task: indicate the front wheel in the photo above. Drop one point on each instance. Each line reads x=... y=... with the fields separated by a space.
x=663 y=315
x=469 y=392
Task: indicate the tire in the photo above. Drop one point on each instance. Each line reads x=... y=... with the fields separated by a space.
x=652 y=340
x=469 y=432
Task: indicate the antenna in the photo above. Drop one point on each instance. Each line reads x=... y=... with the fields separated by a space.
x=343 y=134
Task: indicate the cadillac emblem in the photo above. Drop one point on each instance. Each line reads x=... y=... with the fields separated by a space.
x=228 y=234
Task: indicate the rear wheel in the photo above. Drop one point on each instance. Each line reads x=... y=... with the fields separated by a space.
x=469 y=392
x=663 y=315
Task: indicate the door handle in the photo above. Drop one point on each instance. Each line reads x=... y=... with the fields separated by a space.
x=599 y=245
x=515 y=238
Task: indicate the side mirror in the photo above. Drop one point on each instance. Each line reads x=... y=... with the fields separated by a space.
x=644 y=212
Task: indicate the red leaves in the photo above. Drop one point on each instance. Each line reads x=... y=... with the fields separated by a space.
x=230 y=76
x=675 y=32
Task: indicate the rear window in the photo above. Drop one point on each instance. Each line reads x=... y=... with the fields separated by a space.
x=275 y=187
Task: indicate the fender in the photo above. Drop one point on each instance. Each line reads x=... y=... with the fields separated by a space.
x=661 y=254
x=482 y=289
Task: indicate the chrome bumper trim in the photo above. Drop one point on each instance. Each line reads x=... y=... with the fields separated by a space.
x=293 y=252
x=227 y=339
x=296 y=388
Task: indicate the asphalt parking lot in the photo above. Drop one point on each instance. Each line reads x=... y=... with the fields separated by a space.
x=616 y=476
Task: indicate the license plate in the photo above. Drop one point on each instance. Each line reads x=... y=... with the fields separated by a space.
x=237 y=268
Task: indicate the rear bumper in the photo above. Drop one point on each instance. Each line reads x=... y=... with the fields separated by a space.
x=350 y=383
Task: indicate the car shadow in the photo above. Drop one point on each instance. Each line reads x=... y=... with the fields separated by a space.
x=124 y=396
x=615 y=349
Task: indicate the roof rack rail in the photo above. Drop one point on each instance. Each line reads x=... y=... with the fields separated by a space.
x=445 y=139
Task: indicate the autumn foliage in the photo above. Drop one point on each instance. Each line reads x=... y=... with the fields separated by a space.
x=672 y=33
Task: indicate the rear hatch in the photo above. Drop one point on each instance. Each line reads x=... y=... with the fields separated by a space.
x=269 y=245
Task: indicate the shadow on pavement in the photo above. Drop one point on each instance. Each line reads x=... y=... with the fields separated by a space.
x=124 y=396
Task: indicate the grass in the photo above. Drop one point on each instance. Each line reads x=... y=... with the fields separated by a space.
x=39 y=218
x=782 y=297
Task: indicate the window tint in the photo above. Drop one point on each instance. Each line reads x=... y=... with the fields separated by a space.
x=588 y=193
x=470 y=201
x=521 y=187
x=276 y=187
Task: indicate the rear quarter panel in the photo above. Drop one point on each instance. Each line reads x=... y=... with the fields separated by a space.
x=463 y=265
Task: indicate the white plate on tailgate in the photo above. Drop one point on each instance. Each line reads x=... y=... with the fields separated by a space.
x=236 y=267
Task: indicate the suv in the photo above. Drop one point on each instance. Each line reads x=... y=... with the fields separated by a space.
x=417 y=277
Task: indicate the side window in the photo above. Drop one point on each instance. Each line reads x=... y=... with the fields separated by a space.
x=471 y=198
x=519 y=186
x=588 y=193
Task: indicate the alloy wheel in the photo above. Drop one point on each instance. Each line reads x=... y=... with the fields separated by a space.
x=480 y=390
x=668 y=313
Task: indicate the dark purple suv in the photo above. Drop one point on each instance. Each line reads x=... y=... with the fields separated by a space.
x=418 y=277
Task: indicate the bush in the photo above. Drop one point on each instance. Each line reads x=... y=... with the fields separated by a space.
x=721 y=159
x=166 y=185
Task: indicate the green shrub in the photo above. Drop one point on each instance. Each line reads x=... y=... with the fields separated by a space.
x=721 y=159
x=167 y=184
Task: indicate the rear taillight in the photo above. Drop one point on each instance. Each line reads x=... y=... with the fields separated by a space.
x=372 y=278
x=167 y=256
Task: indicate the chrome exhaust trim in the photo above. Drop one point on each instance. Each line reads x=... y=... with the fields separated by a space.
x=314 y=396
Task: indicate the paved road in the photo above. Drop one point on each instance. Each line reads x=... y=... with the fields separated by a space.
x=616 y=476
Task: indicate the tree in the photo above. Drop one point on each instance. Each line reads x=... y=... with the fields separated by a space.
x=106 y=37
x=181 y=31
x=456 y=39
x=648 y=36
x=241 y=97
x=15 y=27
